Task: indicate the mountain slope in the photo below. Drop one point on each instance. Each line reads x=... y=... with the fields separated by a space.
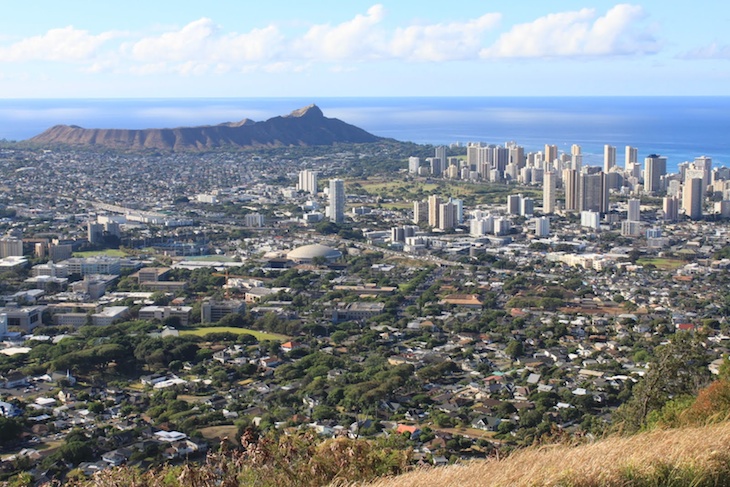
x=303 y=127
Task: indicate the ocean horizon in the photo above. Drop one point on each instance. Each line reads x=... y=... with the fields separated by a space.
x=679 y=128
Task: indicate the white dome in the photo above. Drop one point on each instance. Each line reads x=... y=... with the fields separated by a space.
x=308 y=252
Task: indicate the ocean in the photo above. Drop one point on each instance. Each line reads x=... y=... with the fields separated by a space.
x=680 y=128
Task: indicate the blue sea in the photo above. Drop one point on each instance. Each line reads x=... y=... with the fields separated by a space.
x=680 y=128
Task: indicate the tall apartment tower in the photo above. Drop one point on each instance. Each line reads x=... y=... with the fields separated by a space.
x=413 y=164
x=420 y=212
x=337 y=200
x=576 y=157
x=633 y=213
x=609 y=158
x=593 y=193
x=548 y=192
x=654 y=168
x=307 y=181
x=440 y=153
x=447 y=216
x=670 y=205
x=551 y=153
x=704 y=163
x=434 y=202
x=692 y=198
x=571 y=182
x=631 y=157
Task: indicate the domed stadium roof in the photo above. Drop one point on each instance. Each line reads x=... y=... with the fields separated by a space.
x=309 y=252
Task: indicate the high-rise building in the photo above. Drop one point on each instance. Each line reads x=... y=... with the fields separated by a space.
x=704 y=164
x=609 y=158
x=542 y=226
x=593 y=193
x=633 y=213
x=337 y=200
x=307 y=181
x=692 y=198
x=94 y=232
x=440 y=154
x=459 y=203
x=590 y=219
x=571 y=179
x=420 y=212
x=447 y=216
x=527 y=206
x=413 y=164
x=433 y=210
x=670 y=205
x=631 y=157
x=513 y=204
x=551 y=153
x=576 y=157
x=654 y=168
x=548 y=192
x=436 y=166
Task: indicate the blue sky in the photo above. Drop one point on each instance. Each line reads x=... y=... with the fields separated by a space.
x=243 y=48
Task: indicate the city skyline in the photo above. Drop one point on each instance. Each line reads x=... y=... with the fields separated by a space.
x=364 y=49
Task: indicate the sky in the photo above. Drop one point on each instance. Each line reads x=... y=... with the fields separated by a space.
x=336 y=48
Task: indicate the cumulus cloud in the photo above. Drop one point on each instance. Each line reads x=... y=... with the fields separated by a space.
x=442 y=42
x=578 y=33
x=358 y=38
x=203 y=47
x=64 y=44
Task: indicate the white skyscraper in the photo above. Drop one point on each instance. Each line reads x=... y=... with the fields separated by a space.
x=631 y=157
x=609 y=157
x=633 y=213
x=548 y=192
x=692 y=198
x=542 y=226
x=413 y=164
x=307 y=181
x=337 y=200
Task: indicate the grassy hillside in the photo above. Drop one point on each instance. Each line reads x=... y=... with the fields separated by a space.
x=693 y=456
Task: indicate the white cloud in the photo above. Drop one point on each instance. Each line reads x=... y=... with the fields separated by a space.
x=578 y=33
x=354 y=39
x=64 y=44
x=442 y=42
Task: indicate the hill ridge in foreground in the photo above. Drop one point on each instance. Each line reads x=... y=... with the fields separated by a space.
x=305 y=126
x=697 y=456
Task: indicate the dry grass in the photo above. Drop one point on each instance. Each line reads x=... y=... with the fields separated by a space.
x=688 y=456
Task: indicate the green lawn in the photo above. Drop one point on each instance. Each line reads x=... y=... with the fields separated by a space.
x=662 y=263
x=260 y=335
x=107 y=252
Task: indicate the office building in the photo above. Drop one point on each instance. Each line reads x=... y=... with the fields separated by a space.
x=337 y=200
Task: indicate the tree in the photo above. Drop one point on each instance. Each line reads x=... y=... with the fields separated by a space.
x=678 y=369
x=514 y=349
